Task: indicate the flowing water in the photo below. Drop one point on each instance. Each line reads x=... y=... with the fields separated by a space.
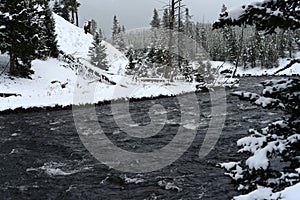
x=42 y=156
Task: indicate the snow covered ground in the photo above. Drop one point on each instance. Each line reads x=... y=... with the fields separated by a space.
x=289 y=193
x=54 y=81
x=258 y=71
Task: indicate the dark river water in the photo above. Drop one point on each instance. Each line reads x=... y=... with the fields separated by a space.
x=42 y=156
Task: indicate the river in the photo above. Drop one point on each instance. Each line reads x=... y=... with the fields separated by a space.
x=43 y=157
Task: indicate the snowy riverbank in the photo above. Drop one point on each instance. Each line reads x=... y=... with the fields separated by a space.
x=54 y=81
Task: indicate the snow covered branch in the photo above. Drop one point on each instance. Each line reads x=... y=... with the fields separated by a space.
x=266 y=16
x=274 y=153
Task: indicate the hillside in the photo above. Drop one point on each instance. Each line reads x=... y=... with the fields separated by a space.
x=72 y=40
x=54 y=81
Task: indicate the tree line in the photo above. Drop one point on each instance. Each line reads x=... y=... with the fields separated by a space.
x=244 y=46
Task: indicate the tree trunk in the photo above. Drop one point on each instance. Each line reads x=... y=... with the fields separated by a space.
x=72 y=16
x=12 y=64
x=172 y=20
x=239 y=54
x=76 y=13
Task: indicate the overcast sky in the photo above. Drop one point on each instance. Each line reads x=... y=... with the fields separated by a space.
x=138 y=13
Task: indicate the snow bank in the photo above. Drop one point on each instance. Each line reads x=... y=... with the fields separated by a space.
x=289 y=193
x=258 y=71
x=53 y=83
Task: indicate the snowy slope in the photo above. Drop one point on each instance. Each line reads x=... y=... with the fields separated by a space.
x=54 y=82
x=72 y=40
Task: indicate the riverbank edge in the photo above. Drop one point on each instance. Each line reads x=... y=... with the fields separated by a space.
x=99 y=103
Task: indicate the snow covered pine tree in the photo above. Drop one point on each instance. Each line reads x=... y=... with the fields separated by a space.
x=98 y=52
x=27 y=33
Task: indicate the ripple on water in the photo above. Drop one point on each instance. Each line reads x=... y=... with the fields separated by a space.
x=58 y=169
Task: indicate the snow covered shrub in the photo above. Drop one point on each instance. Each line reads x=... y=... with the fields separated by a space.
x=274 y=151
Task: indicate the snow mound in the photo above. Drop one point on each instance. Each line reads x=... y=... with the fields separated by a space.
x=289 y=193
x=72 y=40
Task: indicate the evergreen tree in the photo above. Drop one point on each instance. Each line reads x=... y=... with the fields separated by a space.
x=115 y=30
x=203 y=37
x=251 y=53
x=48 y=33
x=270 y=52
x=155 y=23
x=65 y=10
x=155 y=51
x=166 y=19
x=272 y=143
x=281 y=43
x=230 y=38
x=20 y=38
x=117 y=35
x=188 y=24
x=57 y=8
x=290 y=43
x=264 y=15
x=93 y=27
x=73 y=5
x=97 y=52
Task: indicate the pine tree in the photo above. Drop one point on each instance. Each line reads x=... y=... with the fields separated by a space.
x=203 y=38
x=97 y=52
x=93 y=27
x=73 y=6
x=62 y=8
x=166 y=19
x=281 y=43
x=284 y=95
x=264 y=15
x=57 y=8
x=115 y=30
x=20 y=38
x=155 y=23
x=271 y=53
x=48 y=32
x=117 y=35
x=188 y=24
x=65 y=10
x=230 y=38
x=290 y=43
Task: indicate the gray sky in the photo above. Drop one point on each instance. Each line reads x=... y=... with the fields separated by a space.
x=138 y=13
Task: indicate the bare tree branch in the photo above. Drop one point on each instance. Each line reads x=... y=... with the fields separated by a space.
x=294 y=61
